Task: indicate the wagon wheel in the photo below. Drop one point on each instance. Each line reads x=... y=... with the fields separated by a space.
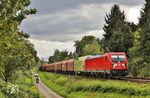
x=105 y=75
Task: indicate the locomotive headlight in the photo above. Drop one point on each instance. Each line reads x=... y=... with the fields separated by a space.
x=114 y=64
x=123 y=65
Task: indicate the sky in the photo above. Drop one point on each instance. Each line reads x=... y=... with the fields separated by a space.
x=59 y=23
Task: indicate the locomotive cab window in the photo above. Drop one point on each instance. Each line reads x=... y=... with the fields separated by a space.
x=117 y=58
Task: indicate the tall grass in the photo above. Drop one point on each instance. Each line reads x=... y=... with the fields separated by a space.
x=73 y=87
x=24 y=81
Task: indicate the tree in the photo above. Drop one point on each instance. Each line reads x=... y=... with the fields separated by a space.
x=15 y=50
x=92 y=49
x=118 y=35
x=51 y=59
x=140 y=55
x=138 y=67
x=144 y=14
x=136 y=61
x=59 y=56
x=80 y=44
x=144 y=24
x=113 y=20
x=133 y=26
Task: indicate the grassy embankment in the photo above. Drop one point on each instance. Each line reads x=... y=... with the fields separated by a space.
x=77 y=87
x=25 y=83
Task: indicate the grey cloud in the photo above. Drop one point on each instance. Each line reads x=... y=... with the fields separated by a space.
x=62 y=20
x=58 y=38
x=52 y=6
x=61 y=27
x=61 y=31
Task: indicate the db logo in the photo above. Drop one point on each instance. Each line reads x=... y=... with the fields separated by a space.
x=12 y=89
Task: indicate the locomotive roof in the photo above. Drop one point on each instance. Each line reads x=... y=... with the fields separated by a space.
x=96 y=56
x=102 y=55
x=116 y=53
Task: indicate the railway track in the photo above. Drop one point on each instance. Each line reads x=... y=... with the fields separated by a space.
x=136 y=79
x=130 y=79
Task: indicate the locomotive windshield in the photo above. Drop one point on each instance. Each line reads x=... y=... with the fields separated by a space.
x=117 y=58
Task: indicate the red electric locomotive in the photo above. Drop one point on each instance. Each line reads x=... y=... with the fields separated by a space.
x=113 y=63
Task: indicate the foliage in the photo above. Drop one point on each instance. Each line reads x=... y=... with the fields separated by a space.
x=92 y=49
x=145 y=41
x=118 y=35
x=73 y=87
x=15 y=50
x=60 y=56
x=144 y=14
x=88 y=45
x=113 y=20
x=133 y=26
x=26 y=88
x=80 y=45
x=135 y=56
x=139 y=53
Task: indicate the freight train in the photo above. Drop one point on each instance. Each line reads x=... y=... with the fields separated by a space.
x=109 y=64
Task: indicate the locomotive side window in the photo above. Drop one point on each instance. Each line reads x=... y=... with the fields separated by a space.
x=116 y=58
x=106 y=58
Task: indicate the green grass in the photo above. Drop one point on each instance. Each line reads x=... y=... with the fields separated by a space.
x=25 y=83
x=78 y=87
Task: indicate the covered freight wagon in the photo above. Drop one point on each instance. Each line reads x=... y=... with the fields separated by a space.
x=70 y=66
x=64 y=66
x=59 y=67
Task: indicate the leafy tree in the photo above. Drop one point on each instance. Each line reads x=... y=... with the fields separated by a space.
x=86 y=46
x=136 y=61
x=92 y=49
x=15 y=50
x=59 y=56
x=79 y=45
x=51 y=59
x=118 y=35
x=71 y=55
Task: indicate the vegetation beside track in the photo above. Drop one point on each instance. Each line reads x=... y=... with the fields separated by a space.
x=26 y=87
x=17 y=53
x=78 y=87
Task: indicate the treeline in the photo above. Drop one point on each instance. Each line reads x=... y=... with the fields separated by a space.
x=88 y=45
x=16 y=51
x=140 y=52
x=120 y=35
x=60 y=55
